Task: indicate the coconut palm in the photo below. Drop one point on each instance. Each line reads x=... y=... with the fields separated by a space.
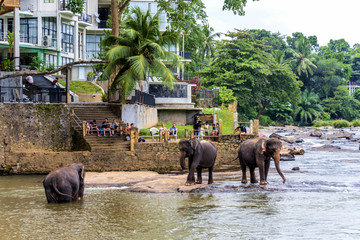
x=208 y=47
x=308 y=108
x=303 y=60
x=139 y=51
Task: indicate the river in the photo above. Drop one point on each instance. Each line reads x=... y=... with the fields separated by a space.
x=321 y=201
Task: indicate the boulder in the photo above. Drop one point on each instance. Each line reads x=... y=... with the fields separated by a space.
x=287 y=157
x=286 y=139
x=341 y=134
x=295 y=169
x=296 y=151
x=316 y=134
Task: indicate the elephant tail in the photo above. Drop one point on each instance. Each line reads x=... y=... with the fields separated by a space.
x=235 y=159
x=63 y=194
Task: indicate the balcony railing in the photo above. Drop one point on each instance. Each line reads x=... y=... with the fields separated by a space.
x=85 y=18
x=186 y=55
x=63 y=4
x=192 y=78
x=143 y=98
x=32 y=94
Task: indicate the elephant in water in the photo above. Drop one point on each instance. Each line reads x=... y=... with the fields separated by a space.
x=65 y=184
x=257 y=153
x=201 y=154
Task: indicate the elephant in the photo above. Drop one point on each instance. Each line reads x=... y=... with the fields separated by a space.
x=257 y=153
x=65 y=184
x=201 y=154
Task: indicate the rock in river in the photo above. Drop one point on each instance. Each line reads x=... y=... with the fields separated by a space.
x=316 y=134
x=285 y=139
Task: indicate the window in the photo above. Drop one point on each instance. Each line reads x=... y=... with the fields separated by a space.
x=80 y=43
x=49 y=59
x=65 y=60
x=28 y=30
x=48 y=1
x=92 y=46
x=2 y=30
x=49 y=28
x=67 y=39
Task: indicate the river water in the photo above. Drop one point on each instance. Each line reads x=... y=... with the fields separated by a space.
x=321 y=201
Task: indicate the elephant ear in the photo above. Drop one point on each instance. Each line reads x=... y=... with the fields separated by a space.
x=194 y=144
x=81 y=171
x=262 y=145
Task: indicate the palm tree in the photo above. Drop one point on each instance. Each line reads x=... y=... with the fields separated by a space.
x=303 y=60
x=208 y=48
x=308 y=108
x=138 y=52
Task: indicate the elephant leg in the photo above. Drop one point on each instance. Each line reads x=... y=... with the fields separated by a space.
x=243 y=170
x=252 y=175
x=267 y=166
x=191 y=178
x=199 y=178
x=211 y=180
x=262 y=173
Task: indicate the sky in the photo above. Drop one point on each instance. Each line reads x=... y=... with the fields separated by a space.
x=326 y=19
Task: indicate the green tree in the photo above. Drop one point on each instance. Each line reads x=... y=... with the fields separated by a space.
x=308 y=109
x=328 y=75
x=138 y=52
x=244 y=65
x=291 y=41
x=302 y=60
x=208 y=47
x=342 y=105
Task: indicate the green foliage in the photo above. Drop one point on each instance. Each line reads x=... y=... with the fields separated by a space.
x=266 y=121
x=322 y=123
x=39 y=65
x=355 y=123
x=236 y=6
x=308 y=109
x=342 y=105
x=11 y=40
x=341 y=124
x=82 y=87
x=7 y=65
x=244 y=65
x=104 y=97
x=140 y=50
x=91 y=75
x=76 y=6
x=280 y=112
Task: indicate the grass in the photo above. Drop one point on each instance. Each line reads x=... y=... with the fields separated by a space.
x=82 y=87
x=225 y=115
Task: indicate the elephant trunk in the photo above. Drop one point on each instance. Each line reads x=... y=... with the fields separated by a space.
x=182 y=160
x=276 y=157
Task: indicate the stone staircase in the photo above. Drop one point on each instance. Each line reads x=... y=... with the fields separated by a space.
x=98 y=112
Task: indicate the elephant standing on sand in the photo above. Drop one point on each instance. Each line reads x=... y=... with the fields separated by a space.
x=257 y=153
x=201 y=154
x=65 y=184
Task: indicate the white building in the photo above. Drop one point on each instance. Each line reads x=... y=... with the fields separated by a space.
x=48 y=30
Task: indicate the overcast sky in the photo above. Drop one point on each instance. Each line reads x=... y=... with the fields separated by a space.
x=327 y=19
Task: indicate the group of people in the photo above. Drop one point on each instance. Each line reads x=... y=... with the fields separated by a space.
x=101 y=129
x=198 y=129
x=172 y=130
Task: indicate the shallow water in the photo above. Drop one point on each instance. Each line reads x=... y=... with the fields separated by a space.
x=319 y=202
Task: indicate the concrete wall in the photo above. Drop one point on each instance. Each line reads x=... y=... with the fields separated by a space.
x=142 y=116
x=179 y=116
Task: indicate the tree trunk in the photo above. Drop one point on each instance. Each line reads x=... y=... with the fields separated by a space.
x=114 y=17
x=261 y=110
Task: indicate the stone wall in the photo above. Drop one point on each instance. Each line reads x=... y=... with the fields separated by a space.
x=35 y=126
x=147 y=156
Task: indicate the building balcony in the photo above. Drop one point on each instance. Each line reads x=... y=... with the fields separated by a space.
x=85 y=18
x=186 y=55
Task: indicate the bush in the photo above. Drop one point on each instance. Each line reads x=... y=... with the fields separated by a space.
x=322 y=123
x=7 y=65
x=355 y=123
x=144 y=132
x=266 y=121
x=341 y=124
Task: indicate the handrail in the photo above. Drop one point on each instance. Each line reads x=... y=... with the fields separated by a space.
x=77 y=121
